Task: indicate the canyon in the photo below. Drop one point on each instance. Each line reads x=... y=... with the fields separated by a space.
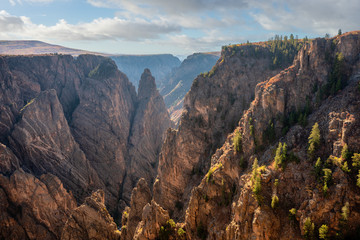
x=85 y=156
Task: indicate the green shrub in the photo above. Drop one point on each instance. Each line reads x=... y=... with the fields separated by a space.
x=323 y=232
x=292 y=214
x=308 y=229
x=314 y=140
x=345 y=154
x=345 y=211
x=167 y=230
x=327 y=179
x=237 y=142
x=345 y=167
x=358 y=180
x=274 y=201
x=257 y=190
x=276 y=183
x=280 y=156
x=327 y=175
x=318 y=168
x=181 y=233
x=356 y=160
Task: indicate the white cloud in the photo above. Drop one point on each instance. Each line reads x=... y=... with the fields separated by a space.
x=171 y=6
x=10 y=23
x=14 y=2
x=98 y=29
x=310 y=16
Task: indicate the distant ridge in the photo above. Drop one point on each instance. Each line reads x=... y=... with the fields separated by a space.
x=33 y=47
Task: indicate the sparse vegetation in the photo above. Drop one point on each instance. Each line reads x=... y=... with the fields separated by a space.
x=269 y=134
x=211 y=171
x=308 y=228
x=292 y=214
x=345 y=154
x=181 y=233
x=280 y=156
x=356 y=160
x=104 y=70
x=237 y=142
x=27 y=104
x=337 y=78
x=167 y=230
x=318 y=168
x=323 y=232
x=256 y=180
x=345 y=211
x=327 y=179
x=314 y=141
x=274 y=201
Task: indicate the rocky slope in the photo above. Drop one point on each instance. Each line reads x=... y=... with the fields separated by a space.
x=293 y=192
x=133 y=65
x=80 y=120
x=211 y=110
x=179 y=81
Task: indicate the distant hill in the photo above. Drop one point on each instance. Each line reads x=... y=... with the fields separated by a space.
x=30 y=47
x=180 y=80
x=160 y=66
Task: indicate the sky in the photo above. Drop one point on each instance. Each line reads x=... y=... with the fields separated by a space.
x=178 y=27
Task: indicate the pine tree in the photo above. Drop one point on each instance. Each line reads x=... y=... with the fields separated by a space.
x=314 y=140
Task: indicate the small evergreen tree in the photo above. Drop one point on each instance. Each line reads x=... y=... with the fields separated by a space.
x=356 y=160
x=308 y=229
x=345 y=212
x=314 y=140
x=323 y=232
x=237 y=142
x=274 y=201
x=339 y=32
x=345 y=154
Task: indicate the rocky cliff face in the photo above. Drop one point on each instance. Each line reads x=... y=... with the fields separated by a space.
x=179 y=81
x=150 y=122
x=211 y=110
x=307 y=193
x=91 y=220
x=33 y=208
x=80 y=120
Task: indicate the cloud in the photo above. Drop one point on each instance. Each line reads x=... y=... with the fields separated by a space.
x=171 y=6
x=14 y=2
x=98 y=29
x=316 y=17
x=10 y=23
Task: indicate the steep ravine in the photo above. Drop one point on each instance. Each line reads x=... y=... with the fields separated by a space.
x=81 y=121
x=235 y=199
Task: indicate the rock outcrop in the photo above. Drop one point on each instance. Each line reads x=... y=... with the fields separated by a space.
x=91 y=221
x=101 y=124
x=153 y=218
x=211 y=110
x=132 y=215
x=81 y=120
x=43 y=139
x=150 y=122
x=307 y=190
x=33 y=208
